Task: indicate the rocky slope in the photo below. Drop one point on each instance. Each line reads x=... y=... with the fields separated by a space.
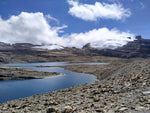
x=124 y=85
x=138 y=48
x=25 y=52
x=125 y=90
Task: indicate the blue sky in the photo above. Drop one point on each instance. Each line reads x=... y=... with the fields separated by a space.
x=134 y=18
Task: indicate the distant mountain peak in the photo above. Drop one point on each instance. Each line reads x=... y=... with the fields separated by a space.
x=137 y=48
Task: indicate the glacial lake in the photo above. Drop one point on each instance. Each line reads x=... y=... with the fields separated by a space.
x=15 y=89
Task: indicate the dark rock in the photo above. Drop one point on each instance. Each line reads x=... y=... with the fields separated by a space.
x=99 y=111
x=65 y=109
x=51 y=110
x=137 y=48
x=96 y=98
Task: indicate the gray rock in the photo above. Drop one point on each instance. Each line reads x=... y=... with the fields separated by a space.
x=96 y=98
x=51 y=110
x=65 y=109
x=146 y=92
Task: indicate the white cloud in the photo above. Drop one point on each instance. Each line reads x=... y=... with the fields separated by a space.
x=60 y=29
x=142 y=4
x=101 y=38
x=49 y=47
x=33 y=28
x=97 y=11
x=49 y=17
x=29 y=28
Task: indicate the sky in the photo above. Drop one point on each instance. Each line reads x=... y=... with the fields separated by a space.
x=74 y=23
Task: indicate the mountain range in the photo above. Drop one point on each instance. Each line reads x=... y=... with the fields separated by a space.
x=25 y=52
x=137 y=48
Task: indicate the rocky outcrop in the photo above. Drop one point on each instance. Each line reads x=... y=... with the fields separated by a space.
x=25 y=52
x=137 y=48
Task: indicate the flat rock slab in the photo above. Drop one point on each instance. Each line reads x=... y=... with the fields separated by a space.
x=146 y=92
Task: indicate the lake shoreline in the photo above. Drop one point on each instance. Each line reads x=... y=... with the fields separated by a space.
x=18 y=73
x=120 y=89
x=47 y=84
x=14 y=72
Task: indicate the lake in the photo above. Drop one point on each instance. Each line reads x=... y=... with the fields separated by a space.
x=15 y=89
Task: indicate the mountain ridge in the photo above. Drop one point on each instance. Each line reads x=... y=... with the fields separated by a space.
x=137 y=48
x=26 y=52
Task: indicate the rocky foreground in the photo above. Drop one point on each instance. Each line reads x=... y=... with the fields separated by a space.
x=16 y=73
x=125 y=90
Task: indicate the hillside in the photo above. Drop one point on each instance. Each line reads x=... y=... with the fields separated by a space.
x=137 y=48
x=126 y=89
x=25 y=52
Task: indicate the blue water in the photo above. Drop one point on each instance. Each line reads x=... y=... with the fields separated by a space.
x=54 y=64
x=15 y=89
